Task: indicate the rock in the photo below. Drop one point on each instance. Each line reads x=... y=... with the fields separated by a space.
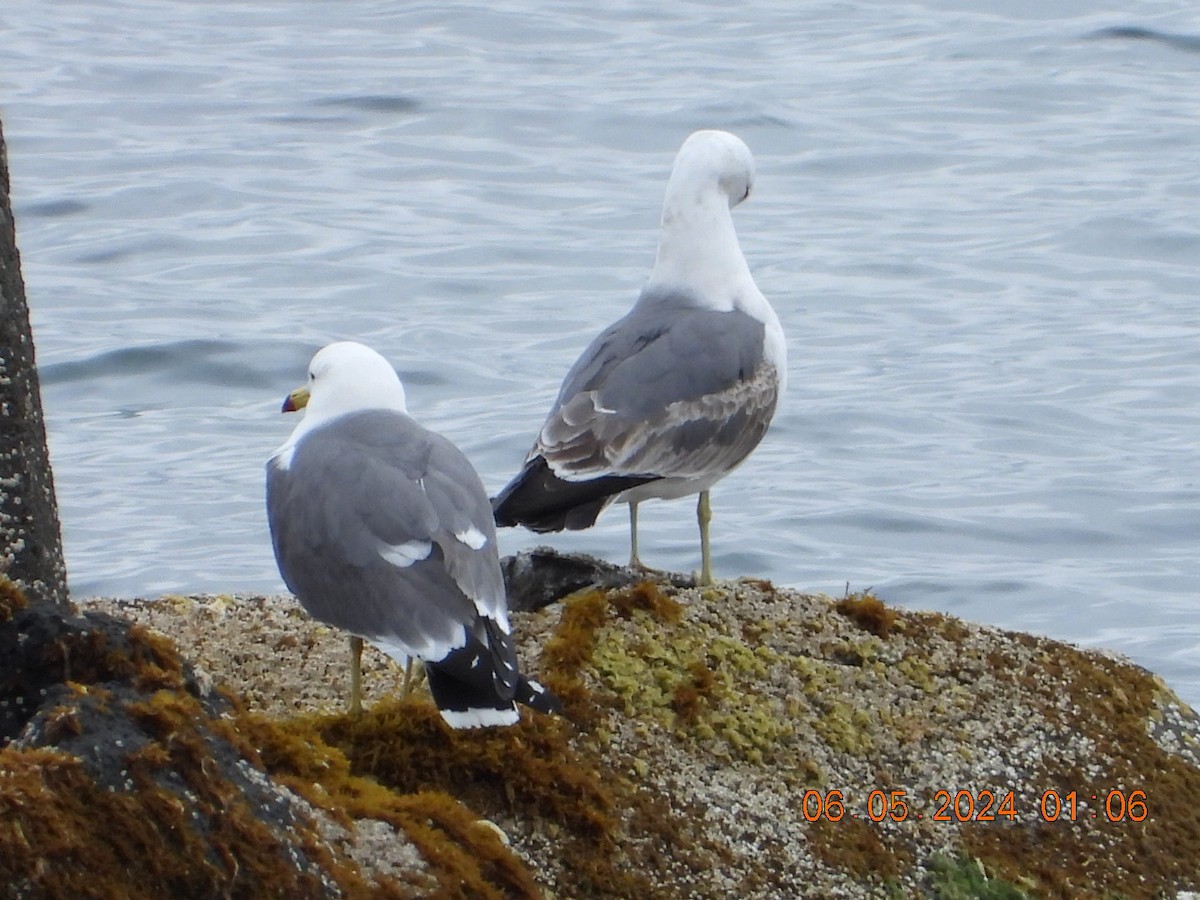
x=536 y=578
x=122 y=776
x=737 y=739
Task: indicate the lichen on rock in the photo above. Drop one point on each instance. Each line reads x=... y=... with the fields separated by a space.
x=738 y=739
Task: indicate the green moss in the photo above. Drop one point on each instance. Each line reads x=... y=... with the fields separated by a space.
x=818 y=675
x=846 y=729
x=916 y=671
x=963 y=878
x=688 y=678
x=854 y=653
x=636 y=651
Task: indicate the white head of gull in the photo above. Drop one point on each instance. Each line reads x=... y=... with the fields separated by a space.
x=382 y=528
x=351 y=377
x=677 y=393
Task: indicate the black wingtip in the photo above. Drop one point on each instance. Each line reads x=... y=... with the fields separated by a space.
x=470 y=705
x=536 y=697
x=541 y=501
x=464 y=703
x=479 y=684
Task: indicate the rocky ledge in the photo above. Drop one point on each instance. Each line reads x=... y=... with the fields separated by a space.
x=735 y=740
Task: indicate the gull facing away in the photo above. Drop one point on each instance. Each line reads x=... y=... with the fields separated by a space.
x=382 y=528
x=672 y=397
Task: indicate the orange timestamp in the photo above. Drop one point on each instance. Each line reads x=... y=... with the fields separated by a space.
x=1116 y=805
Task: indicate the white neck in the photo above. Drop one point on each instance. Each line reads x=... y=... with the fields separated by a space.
x=698 y=251
x=699 y=256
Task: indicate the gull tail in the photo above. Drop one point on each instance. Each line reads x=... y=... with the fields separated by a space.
x=541 y=501
x=479 y=684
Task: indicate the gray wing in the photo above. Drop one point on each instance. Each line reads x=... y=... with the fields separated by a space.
x=382 y=528
x=670 y=391
x=467 y=531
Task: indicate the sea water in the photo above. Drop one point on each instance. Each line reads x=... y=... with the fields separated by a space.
x=978 y=222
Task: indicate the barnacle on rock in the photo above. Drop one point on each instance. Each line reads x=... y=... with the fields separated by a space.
x=698 y=722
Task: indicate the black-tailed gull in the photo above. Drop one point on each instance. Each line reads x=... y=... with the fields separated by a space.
x=382 y=528
x=670 y=398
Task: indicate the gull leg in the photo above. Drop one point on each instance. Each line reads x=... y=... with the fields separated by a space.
x=407 y=684
x=703 y=517
x=356 y=648
x=634 y=562
x=414 y=675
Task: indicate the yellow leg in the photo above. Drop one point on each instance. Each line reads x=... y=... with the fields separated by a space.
x=703 y=517
x=356 y=648
x=634 y=562
x=407 y=684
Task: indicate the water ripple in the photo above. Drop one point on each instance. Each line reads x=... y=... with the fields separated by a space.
x=978 y=230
